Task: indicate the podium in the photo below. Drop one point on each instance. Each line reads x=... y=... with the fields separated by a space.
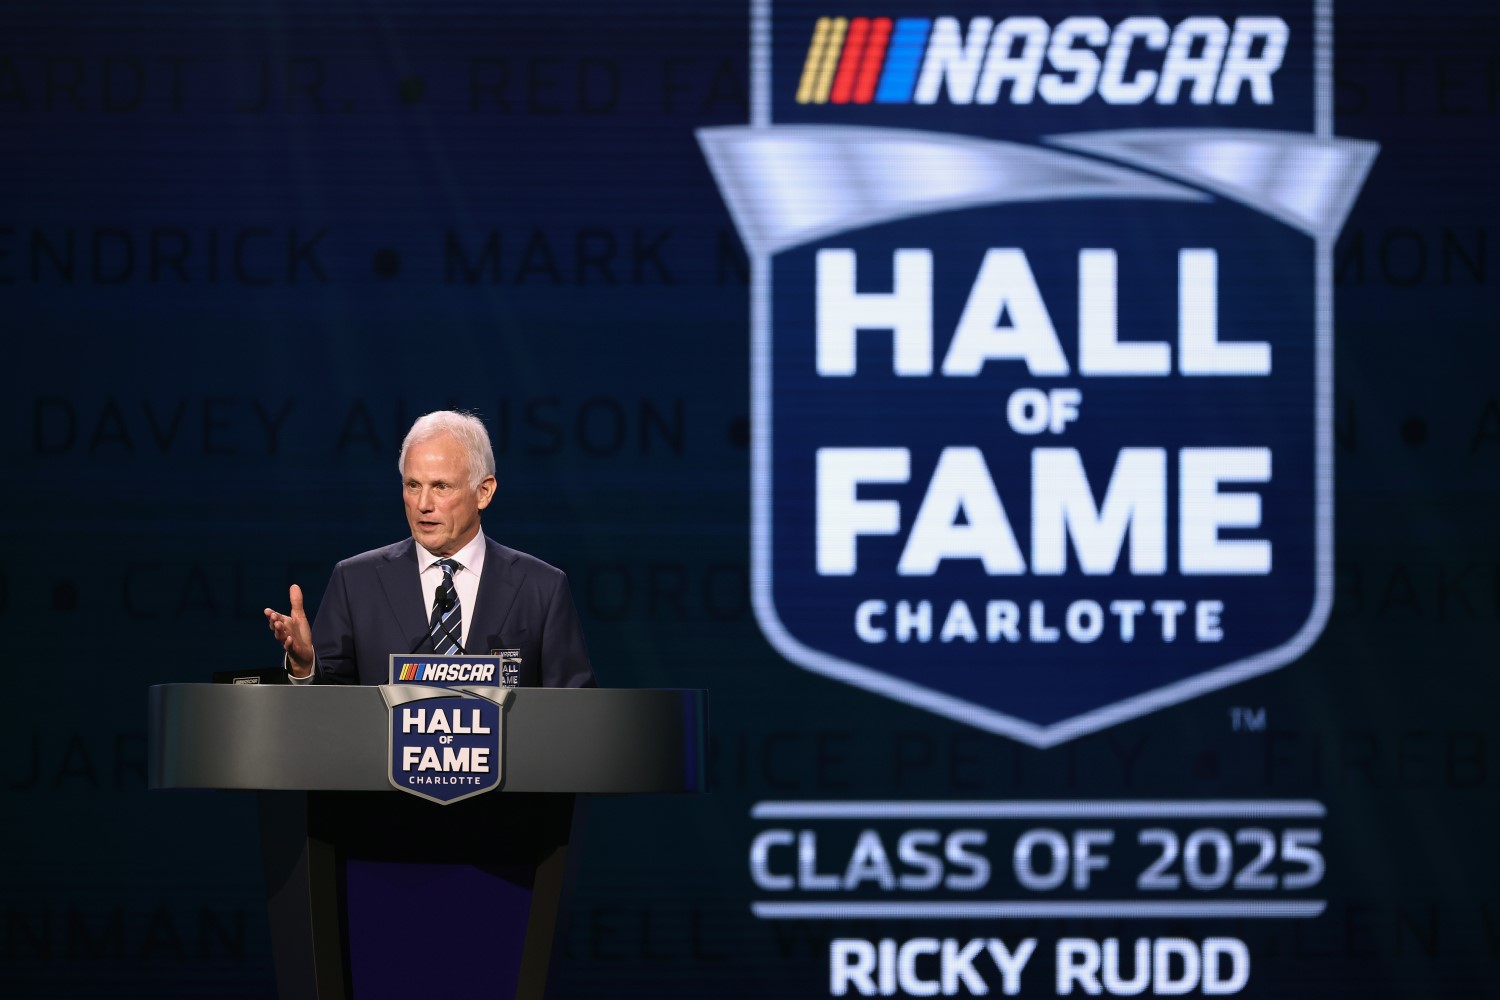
x=375 y=893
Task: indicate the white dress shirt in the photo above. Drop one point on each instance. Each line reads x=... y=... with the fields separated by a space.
x=470 y=561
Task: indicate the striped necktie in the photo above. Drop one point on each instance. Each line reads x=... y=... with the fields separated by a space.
x=447 y=617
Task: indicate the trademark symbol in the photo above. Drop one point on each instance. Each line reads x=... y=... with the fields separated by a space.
x=1247 y=720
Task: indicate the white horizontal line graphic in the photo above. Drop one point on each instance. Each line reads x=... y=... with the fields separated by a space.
x=1040 y=809
x=1043 y=909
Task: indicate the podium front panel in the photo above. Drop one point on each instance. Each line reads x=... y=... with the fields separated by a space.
x=332 y=737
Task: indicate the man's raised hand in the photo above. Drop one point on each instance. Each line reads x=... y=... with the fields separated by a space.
x=294 y=634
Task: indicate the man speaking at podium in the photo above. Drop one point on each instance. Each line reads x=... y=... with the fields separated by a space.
x=447 y=589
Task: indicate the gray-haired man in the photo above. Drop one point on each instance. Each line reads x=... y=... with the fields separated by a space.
x=447 y=588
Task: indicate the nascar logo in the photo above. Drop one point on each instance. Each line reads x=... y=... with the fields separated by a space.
x=878 y=60
x=477 y=673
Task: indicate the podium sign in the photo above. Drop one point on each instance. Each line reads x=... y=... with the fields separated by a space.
x=445 y=742
x=449 y=670
x=445 y=714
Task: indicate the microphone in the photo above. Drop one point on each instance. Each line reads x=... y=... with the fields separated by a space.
x=442 y=602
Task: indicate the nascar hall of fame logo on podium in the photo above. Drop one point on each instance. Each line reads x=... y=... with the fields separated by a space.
x=446 y=715
x=1042 y=347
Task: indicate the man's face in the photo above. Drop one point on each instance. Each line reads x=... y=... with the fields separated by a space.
x=441 y=507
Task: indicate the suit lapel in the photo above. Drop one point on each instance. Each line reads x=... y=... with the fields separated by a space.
x=498 y=585
x=403 y=591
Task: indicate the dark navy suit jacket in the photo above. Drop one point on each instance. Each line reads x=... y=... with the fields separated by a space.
x=373 y=607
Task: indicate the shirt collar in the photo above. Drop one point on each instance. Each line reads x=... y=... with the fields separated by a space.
x=470 y=557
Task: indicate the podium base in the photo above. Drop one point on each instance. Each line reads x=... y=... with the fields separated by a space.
x=375 y=894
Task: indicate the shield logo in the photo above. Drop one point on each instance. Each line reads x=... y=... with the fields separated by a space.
x=445 y=742
x=1042 y=323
